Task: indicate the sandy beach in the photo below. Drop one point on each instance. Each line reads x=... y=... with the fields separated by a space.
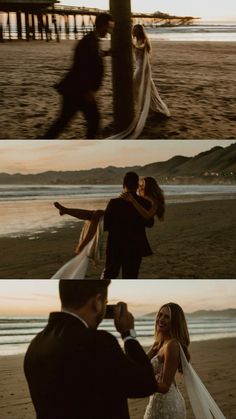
x=196 y=240
x=213 y=361
x=195 y=79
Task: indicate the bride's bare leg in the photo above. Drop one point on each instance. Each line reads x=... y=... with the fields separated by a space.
x=91 y=231
x=82 y=214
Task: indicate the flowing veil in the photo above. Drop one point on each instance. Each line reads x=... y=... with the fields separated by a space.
x=203 y=405
x=77 y=267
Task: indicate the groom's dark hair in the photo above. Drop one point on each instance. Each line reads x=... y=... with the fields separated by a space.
x=75 y=293
x=103 y=19
x=131 y=181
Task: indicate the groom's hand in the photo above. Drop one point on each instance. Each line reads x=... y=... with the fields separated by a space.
x=123 y=319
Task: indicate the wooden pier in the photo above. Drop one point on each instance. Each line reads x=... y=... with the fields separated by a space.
x=48 y=20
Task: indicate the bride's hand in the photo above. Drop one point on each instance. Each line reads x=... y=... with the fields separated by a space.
x=60 y=207
x=127 y=196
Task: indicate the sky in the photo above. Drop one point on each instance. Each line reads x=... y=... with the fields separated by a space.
x=39 y=156
x=207 y=10
x=39 y=297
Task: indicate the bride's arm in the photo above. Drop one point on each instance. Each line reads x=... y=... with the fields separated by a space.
x=82 y=214
x=139 y=46
x=171 y=363
x=91 y=230
x=147 y=214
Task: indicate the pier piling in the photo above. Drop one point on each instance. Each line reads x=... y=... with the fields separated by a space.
x=122 y=64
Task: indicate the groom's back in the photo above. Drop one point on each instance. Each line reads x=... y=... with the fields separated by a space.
x=65 y=367
x=125 y=225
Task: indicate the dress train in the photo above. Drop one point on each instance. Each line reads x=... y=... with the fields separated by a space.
x=76 y=268
x=146 y=97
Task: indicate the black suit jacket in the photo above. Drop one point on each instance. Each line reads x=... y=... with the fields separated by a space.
x=126 y=227
x=87 y=71
x=74 y=372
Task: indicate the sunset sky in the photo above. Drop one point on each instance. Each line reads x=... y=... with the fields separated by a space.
x=39 y=156
x=208 y=10
x=35 y=297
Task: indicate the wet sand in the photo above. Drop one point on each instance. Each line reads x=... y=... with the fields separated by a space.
x=196 y=240
x=195 y=79
x=213 y=361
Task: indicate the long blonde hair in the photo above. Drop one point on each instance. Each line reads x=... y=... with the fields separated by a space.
x=178 y=328
x=140 y=34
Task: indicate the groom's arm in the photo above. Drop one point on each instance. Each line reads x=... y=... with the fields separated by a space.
x=131 y=371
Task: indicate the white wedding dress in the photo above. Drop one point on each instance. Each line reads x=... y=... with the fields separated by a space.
x=165 y=406
x=172 y=406
x=146 y=96
x=77 y=267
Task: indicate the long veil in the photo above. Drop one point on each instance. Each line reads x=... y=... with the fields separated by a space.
x=147 y=97
x=77 y=267
x=203 y=405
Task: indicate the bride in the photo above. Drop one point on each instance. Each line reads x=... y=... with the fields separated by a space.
x=146 y=96
x=170 y=354
x=150 y=190
x=90 y=241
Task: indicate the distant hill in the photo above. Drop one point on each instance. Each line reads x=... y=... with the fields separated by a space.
x=217 y=166
x=230 y=312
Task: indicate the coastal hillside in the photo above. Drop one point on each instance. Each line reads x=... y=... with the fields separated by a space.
x=229 y=313
x=215 y=166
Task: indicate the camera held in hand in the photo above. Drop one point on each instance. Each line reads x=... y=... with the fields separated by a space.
x=110 y=310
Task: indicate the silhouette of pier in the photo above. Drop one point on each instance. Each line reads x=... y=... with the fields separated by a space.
x=48 y=20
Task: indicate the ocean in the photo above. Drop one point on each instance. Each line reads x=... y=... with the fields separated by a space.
x=202 y=31
x=17 y=332
x=28 y=209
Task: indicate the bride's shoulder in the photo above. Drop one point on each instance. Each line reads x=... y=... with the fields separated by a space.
x=172 y=345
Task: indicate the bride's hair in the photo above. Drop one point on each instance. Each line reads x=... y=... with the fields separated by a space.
x=140 y=34
x=153 y=191
x=178 y=328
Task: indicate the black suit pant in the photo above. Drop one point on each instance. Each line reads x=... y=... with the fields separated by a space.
x=70 y=106
x=128 y=260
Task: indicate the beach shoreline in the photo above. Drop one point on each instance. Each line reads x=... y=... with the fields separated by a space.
x=195 y=79
x=196 y=240
x=213 y=360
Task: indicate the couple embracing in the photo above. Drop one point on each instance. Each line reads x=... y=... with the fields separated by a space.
x=75 y=371
x=79 y=86
x=125 y=219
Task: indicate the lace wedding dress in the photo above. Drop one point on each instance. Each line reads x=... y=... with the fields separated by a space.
x=165 y=406
x=77 y=267
x=146 y=96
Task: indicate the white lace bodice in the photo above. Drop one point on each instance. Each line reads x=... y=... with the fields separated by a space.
x=165 y=406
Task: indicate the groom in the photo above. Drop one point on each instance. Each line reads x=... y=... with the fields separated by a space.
x=75 y=371
x=80 y=85
x=127 y=242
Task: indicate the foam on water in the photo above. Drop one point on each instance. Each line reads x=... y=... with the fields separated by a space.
x=28 y=210
x=17 y=332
